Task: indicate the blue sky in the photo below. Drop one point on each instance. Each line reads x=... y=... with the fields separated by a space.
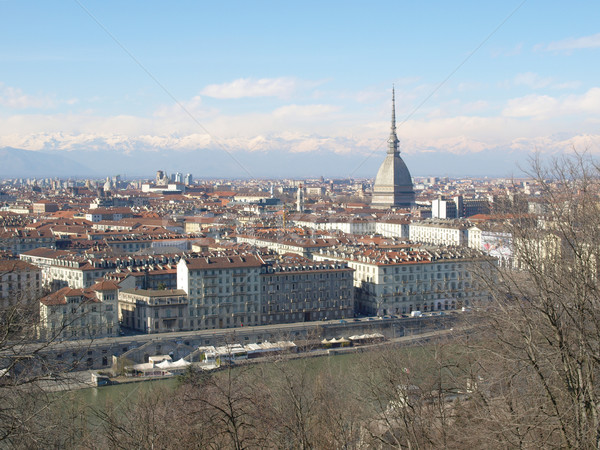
x=311 y=76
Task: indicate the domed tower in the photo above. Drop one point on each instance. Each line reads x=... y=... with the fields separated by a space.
x=393 y=185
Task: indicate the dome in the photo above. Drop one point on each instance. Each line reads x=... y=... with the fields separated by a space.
x=393 y=184
x=393 y=172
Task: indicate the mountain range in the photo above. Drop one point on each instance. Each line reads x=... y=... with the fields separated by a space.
x=20 y=163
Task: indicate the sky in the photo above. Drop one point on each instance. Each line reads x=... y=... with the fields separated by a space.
x=305 y=78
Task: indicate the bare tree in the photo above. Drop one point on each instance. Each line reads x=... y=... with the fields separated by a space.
x=156 y=418
x=410 y=395
x=540 y=358
x=228 y=402
x=29 y=373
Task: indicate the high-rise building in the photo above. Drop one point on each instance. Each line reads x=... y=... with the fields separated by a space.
x=300 y=199
x=393 y=185
x=162 y=178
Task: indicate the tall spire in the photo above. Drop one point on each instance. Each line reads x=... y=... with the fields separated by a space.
x=393 y=139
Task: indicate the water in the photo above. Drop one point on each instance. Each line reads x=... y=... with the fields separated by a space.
x=119 y=393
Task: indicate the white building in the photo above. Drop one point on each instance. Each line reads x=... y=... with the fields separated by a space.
x=346 y=224
x=440 y=232
x=393 y=228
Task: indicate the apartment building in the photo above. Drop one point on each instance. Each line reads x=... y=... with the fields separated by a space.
x=440 y=232
x=305 y=290
x=288 y=242
x=19 y=240
x=19 y=281
x=80 y=313
x=64 y=268
x=223 y=291
x=154 y=311
x=398 y=282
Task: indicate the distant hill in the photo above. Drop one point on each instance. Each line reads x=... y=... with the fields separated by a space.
x=283 y=164
x=19 y=163
x=140 y=162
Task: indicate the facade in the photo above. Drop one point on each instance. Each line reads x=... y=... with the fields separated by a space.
x=288 y=243
x=19 y=281
x=137 y=242
x=393 y=228
x=348 y=224
x=393 y=185
x=440 y=232
x=62 y=268
x=304 y=291
x=80 y=313
x=154 y=311
x=112 y=214
x=444 y=209
x=223 y=291
x=18 y=240
x=400 y=282
x=44 y=206
x=474 y=206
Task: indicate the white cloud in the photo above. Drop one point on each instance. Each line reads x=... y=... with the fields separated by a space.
x=535 y=106
x=535 y=81
x=567 y=85
x=476 y=106
x=544 y=106
x=247 y=87
x=514 y=51
x=592 y=41
x=304 y=111
x=532 y=80
x=15 y=98
x=193 y=106
x=463 y=128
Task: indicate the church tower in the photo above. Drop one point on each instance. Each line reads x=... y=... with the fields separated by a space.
x=393 y=185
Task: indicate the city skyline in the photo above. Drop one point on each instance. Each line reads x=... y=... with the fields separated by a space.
x=266 y=88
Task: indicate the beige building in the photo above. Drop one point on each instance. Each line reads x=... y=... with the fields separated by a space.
x=154 y=311
x=19 y=281
x=63 y=268
x=80 y=313
x=399 y=282
x=19 y=240
x=223 y=291
x=288 y=243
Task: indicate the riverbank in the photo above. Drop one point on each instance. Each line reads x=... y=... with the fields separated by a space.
x=83 y=379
